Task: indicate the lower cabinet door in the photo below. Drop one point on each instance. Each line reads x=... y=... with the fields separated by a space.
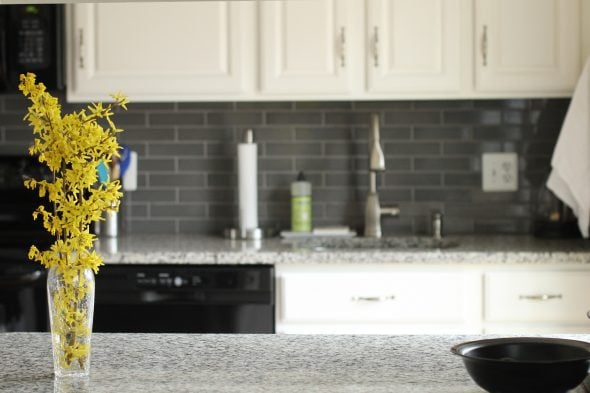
x=537 y=297
x=372 y=299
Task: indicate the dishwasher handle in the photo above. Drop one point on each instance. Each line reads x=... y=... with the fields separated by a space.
x=154 y=297
x=203 y=297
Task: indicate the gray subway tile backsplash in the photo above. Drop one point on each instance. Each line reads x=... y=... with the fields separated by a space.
x=176 y=180
x=412 y=148
x=475 y=116
x=12 y=119
x=178 y=210
x=413 y=179
x=188 y=175
x=172 y=118
x=443 y=164
x=150 y=195
x=184 y=149
x=441 y=133
x=412 y=117
x=232 y=118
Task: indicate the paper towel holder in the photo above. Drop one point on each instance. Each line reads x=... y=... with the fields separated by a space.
x=248 y=136
x=247 y=188
x=251 y=234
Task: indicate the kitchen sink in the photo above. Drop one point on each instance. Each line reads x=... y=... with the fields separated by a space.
x=401 y=243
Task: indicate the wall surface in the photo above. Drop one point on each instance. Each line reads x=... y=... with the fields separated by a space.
x=433 y=153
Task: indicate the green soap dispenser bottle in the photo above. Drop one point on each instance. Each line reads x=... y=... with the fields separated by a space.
x=301 y=204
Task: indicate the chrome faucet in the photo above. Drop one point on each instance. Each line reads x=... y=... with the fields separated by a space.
x=373 y=210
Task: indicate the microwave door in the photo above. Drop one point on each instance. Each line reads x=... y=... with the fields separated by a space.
x=3 y=50
x=30 y=41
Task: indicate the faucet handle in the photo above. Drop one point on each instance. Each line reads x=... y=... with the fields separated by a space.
x=390 y=211
x=437 y=225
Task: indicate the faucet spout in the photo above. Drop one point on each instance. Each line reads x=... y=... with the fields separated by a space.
x=376 y=157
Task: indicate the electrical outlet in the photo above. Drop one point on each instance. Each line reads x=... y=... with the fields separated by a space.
x=499 y=171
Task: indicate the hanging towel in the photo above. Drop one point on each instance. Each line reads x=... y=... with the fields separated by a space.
x=570 y=176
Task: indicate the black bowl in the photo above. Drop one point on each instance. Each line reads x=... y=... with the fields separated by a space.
x=526 y=364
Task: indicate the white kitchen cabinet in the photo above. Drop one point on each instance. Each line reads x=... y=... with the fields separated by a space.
x=536 y=302
x=307 y=47
x=161 y=51
x=432 y=298
x=414 y=46
x=376 y=300
x=527 y=46
x=324 y=49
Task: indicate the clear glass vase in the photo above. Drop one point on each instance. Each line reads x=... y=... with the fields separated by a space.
x=71 y=307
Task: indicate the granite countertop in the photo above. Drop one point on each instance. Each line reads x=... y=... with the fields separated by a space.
x=244 y=363
x=196 y=249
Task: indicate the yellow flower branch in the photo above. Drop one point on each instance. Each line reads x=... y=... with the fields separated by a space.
x=72 y=146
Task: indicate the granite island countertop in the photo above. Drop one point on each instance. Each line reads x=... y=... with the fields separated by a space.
x=140 y=363
x=194 y=249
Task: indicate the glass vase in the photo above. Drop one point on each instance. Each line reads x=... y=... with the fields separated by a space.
x=71 y=306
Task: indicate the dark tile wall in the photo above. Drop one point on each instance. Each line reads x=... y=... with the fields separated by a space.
x=187 y=174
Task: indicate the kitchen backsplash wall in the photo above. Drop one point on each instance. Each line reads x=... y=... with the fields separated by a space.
x=187 y=174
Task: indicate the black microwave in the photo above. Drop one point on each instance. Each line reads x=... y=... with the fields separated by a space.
x=31 y=40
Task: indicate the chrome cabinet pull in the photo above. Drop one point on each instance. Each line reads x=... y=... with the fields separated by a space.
x=343 y=46
x=376 y=46
x=372 y=298
x=81 y=48
x=484 y=46
x=540 y=297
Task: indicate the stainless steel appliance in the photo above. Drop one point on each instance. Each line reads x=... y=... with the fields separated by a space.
x=32 y=40
x=185 y=299
x=23 y=304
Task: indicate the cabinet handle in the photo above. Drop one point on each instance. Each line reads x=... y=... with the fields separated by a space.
x=376 y=46
x=484 y=46
x=81 y=48
x=372 y=298
x=541 y=297
x=343 y=46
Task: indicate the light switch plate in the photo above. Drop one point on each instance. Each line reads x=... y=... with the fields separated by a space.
x=499 y=171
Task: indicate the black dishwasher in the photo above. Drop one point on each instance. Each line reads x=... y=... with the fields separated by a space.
x=185 y=299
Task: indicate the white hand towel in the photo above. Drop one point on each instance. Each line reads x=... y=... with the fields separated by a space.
x=570 y=176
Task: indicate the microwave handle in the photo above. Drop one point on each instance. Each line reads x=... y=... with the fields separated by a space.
x=4 y=55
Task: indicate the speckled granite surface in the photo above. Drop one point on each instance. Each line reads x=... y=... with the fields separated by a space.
x=211 y=250
x=155 y=363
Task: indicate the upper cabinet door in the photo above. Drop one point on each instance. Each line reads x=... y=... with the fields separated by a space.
x=527 y=45
x=306 y=47
x=414 y=46
x=161 y=51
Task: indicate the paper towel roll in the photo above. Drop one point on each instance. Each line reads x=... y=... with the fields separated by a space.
x=247 y=187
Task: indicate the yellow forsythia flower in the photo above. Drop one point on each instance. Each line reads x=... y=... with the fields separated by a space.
x=72 y=146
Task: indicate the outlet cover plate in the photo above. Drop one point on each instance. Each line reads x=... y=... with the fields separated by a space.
x=499 y=172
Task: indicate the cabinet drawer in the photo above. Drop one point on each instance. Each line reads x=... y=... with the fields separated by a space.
x=537 y=297
x=371 y=297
